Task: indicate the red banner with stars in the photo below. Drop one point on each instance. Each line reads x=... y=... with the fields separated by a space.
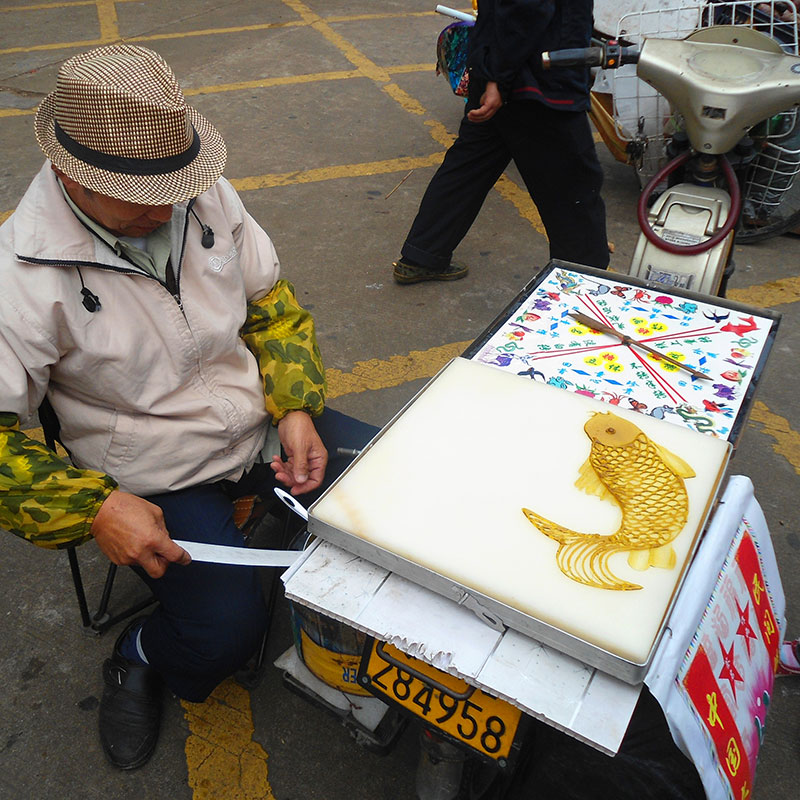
x=704 y=691
x=729 y=672
x=750 y=566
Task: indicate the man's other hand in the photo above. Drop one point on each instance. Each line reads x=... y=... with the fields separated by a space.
x=306 y=456
x=491 y=103
x=130 y=530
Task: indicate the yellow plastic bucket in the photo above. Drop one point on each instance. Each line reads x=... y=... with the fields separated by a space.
x=330 y=649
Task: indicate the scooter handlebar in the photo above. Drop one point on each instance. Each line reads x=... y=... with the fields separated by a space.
x=609 y=56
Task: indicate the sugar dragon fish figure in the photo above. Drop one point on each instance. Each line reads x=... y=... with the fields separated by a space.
x=646 y=481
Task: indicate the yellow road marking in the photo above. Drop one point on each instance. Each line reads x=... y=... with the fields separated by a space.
x=440 y=133
x=787 y=441
x=346 y=18
x=45 y=6
x=153 y=37
x=323 y=174
x=381 y=374
x=223 y=759
x=404 y=99
x=266 y=83
x=333 y=173
x=767 y=295
x=107 y=16
x=79 y=45
x=16 y=112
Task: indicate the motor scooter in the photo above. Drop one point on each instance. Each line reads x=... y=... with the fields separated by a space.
x=720 y=81
x=637 y=125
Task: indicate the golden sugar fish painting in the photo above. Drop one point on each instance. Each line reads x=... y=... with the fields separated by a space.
x=646 y=481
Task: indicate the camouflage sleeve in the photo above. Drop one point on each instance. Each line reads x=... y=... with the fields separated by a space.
x=280 y=333
x=42 y=498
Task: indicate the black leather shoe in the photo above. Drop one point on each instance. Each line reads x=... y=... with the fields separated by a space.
x=130 y=710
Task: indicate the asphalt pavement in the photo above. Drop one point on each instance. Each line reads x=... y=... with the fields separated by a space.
x=335 y=121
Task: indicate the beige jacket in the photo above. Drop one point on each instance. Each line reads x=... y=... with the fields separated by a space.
x=159 y=392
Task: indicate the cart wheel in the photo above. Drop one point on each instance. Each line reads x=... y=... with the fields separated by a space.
x=481 y=780
x=484 y=780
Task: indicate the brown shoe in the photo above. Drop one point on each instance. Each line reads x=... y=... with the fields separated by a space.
x=412 y=273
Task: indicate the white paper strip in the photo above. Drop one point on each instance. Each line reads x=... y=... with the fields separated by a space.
x=240 y=556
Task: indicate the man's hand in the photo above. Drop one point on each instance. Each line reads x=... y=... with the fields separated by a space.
x=307 y=457
x=129 y=530
x=491 y=103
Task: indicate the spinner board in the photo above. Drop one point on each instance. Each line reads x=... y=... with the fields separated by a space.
x=535 y=337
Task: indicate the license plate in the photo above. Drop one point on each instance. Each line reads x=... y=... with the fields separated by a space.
x=446 y=703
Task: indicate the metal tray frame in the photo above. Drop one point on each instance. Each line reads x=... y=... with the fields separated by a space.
x=494 y=613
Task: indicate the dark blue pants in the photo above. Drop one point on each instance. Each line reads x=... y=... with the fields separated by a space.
x=211 y=618
x=555 y=154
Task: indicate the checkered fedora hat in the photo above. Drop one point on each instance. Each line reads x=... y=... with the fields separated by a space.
x=118 y=124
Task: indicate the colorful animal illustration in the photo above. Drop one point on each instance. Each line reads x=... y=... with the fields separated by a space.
x=557 y=380
x=503 y=359
x=723 y=391
x=566 y=282
x=637 y=406
x=716 y=408
x=646 y=481
x=746 y=324
x=714 y=317
x=701 y=423
x=532 y=373
x=614 y=399
x=659 y=412
x=739 y=363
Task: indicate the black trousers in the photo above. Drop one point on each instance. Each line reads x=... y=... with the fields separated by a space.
x=555 y=154
x=211 y=618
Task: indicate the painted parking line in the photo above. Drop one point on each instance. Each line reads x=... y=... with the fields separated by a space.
x=223 y=759
x=770 y=294
x=786 y=440
x=109 y=32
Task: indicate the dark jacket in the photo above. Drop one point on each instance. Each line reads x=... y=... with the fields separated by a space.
x=507 y=42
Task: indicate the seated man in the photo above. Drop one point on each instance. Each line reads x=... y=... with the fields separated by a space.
x=142 y=299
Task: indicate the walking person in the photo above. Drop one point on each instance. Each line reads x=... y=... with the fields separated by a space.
x=517 y=111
